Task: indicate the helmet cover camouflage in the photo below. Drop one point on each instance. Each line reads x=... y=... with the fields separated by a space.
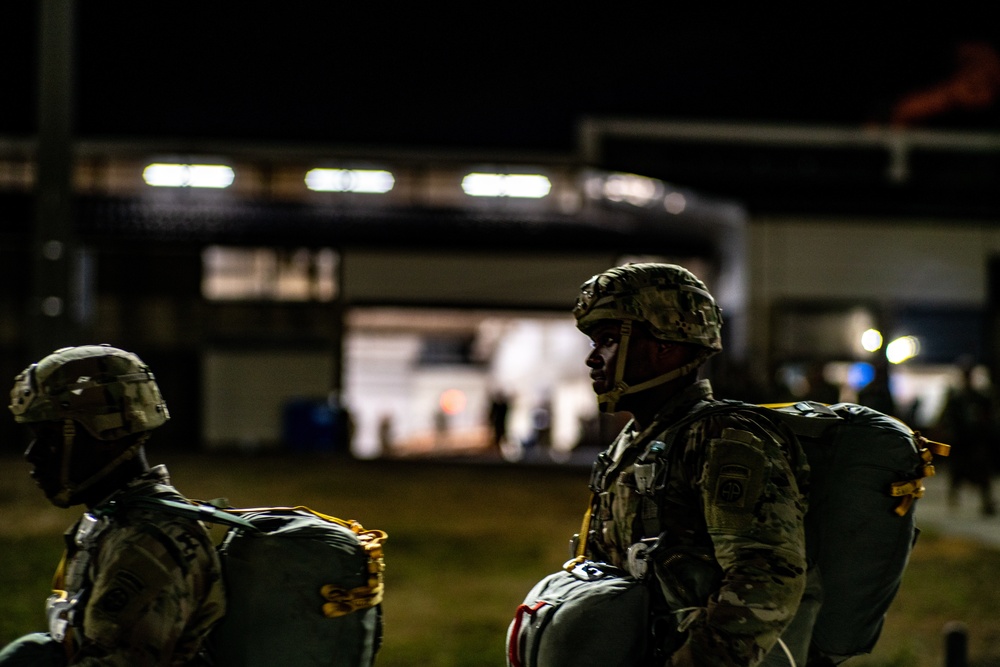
x=674 y=303
x=108 y=391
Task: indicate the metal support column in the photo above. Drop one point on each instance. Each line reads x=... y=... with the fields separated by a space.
x=52 y=311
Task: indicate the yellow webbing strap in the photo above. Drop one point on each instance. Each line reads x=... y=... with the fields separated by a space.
x=342 y=601
x=59 y=590
x=910 y=490
x=581 y=542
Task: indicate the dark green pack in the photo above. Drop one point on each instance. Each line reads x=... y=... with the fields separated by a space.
x=866 y=472
x=302 y=588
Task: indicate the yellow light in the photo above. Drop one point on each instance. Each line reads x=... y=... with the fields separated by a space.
x=871 y=340
x=530 y=186
x=371 y=181
x=902 y=349
x=452 y=401
x=164 y=175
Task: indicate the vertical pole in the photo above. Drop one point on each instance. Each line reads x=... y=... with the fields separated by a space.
x=956 y=644
x=341 y=415
x=54 y=249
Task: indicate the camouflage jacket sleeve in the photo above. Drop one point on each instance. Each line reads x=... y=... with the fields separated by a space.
x=753 y=512
x=156 y=592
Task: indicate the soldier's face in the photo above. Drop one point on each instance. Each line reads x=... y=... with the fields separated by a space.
x=641 y=361
x=51 y=473
x=44 y=453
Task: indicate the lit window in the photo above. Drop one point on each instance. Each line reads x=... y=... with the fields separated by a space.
x=269 y=274
x=188 y=175
x=375 y=181
x=531 y=186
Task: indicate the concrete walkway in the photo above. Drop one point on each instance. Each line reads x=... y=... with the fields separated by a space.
x=966 y=520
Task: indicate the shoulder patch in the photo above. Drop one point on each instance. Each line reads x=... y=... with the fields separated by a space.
x=734 y=479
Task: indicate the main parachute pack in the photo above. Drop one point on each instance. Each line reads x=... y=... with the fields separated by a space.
x=302 y=588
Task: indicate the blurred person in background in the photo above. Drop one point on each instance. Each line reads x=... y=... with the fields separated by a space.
x=820 y=389
x=877 y=394
x=136 y=586
x=968 y=422
x=730 y=560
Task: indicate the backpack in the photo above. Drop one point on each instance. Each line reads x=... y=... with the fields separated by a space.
x=866 y=472
x=302 y=588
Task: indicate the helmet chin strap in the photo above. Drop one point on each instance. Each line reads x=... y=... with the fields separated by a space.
x=70 y=491
x=608 y=401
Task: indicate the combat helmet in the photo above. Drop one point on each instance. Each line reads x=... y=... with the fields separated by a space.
x=672 y=301
x=107 y=391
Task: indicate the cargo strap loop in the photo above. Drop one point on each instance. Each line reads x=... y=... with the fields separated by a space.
x=341 y=601
x=910 y=490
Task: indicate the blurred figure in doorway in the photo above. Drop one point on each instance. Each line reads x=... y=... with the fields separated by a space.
x=499 y=407
x=877 y=394
x=968 y=422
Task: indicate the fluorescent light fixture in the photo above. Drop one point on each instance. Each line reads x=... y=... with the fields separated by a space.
x=188 y=175
x=374 y=181
x=530 y=186
x=902 y=349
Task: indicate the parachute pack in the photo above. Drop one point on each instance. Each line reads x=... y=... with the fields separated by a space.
x=302 y=588
x=866 y=472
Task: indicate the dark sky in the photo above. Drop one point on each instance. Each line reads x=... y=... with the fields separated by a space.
x=477 y=75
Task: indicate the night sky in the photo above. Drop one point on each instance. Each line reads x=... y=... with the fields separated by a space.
x=503 y=76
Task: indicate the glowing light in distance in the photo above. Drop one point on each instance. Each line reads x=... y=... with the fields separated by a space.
x=636 y=190
x=871 y=340
x=530 y=186
x=373 y=181
x=902 y=349
x=452 y=401
x=188 y=175
x=860 y=374
x=675 y=203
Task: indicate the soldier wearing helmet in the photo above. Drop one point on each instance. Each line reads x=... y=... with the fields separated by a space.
x=136 y=586
x=712 y=506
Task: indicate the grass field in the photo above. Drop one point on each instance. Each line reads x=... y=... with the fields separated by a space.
x=466 y=542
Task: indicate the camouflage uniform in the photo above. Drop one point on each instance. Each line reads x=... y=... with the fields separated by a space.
x=149 y=583
x=136 y=587
x=731 y=515
x=725 y=497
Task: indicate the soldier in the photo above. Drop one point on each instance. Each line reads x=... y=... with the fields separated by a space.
x=136 y=586
x=726 y=497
